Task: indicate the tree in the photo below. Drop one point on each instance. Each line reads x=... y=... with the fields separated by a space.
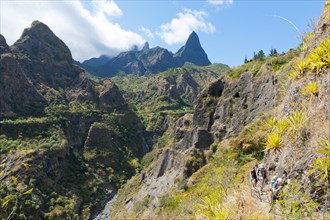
x=245 y=60
x=254 y=56
x=273 y=52
x=260 y=55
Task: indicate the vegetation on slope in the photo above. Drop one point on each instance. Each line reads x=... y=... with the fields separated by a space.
x=291 y=138
x=47 y=171
x=161 y=99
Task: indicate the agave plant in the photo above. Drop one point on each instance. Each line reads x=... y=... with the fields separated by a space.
x=294 y=75
x=325 y=144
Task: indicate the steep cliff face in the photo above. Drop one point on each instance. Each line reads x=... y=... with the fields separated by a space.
x=17 y=93
x=303 y=152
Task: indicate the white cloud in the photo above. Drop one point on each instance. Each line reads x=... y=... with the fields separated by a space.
x=88 y=33
x=220 y=2
x=178 y=30
x=110 y=8
x=147 y=32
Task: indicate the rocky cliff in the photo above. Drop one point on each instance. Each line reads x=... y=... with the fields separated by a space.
x=222 y=110
x=17 y=93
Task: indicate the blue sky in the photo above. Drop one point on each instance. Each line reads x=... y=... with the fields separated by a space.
x=229 y=30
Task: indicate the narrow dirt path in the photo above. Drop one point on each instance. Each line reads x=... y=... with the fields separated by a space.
x=256 y=203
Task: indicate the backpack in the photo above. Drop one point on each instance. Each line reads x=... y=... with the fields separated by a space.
x=262 y=173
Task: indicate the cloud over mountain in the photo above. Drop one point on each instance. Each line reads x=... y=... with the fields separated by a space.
x=86 y=27
x=179 y=28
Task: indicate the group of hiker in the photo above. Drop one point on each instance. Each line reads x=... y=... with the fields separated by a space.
x=258 y=178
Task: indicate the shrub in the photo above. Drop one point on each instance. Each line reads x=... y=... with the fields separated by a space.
x=214 y=147
x=321 y=165
x=182 y=185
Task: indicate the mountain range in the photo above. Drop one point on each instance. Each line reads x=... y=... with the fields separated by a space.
x=148 y=60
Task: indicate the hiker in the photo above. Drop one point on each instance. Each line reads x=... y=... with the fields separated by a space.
x=253 y=176
x=273 y=181
x=261 y=176
x=276 y=186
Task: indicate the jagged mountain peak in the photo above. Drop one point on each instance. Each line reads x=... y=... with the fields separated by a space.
x=51 y=59
x=193 y=40
x=146 y=46
x=193 y=52
x=39 y=43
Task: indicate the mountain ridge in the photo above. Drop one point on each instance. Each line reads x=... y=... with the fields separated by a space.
x=150 y=60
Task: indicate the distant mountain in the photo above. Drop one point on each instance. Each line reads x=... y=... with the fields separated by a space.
x=149 y=60
x=193 y=52
x=94 y=62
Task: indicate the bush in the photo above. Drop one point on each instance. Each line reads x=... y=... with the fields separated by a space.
x=214 y=147
x=182 y=185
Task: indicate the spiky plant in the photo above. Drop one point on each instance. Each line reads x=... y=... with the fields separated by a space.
x=282 y=126
x=298 y=121
x=319 y=58
x=294 y=75
x=273 y=141
x=310 y=89
x=270 y=123
x=321 y=165
x=298 y=68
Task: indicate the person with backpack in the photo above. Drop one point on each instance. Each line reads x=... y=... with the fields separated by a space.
x=261 y=176
x=276 y=186
x=253 y=176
